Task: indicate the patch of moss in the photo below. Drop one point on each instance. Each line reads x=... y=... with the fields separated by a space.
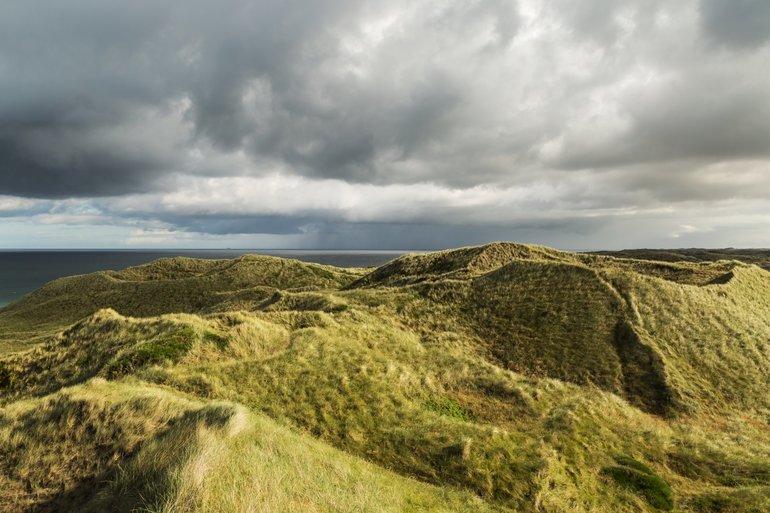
x=165 y=347
x=448 y=408
x=639 y=478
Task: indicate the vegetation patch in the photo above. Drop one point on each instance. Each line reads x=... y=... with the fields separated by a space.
x=448 y=408
x=639 y=478
x=741 y=500
x=164 y=348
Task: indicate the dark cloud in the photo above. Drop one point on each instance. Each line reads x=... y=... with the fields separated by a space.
x=431 y=236
x=640 y=102
x=59 y=163
x=707 y=115
x=273 y=78
x=737 y=23
x=74 y=78
x=218 y=224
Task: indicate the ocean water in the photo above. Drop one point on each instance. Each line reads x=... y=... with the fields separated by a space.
x=24 y=271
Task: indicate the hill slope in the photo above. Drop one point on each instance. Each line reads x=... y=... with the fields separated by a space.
x=760 y=257
x=502 y=377
x=172 y=285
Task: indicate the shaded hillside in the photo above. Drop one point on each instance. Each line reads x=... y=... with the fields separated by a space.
x=503 y=377
x=760 y=257
x=604 y=321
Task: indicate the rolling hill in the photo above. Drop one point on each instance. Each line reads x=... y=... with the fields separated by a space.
x=760 y=257
x=504 y=377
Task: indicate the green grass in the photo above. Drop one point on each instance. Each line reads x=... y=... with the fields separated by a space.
x=127 y=446
x=449 y=408
x=166 y=347
x=639 y=478
x=500 y=378
x=760 y=257
x=173 y=285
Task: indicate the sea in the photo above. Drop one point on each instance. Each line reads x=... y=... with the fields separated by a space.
x=23 y=271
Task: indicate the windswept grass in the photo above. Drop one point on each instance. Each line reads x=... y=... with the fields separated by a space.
x=504 y=377
x=128 y=447
x=760 y=257
x=173 y=285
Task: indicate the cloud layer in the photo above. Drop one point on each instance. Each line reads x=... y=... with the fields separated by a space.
x=368 y=123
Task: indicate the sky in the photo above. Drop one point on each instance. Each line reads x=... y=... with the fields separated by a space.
x=399 y=124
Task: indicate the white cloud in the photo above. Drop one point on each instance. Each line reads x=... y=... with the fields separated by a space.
x=11 y=204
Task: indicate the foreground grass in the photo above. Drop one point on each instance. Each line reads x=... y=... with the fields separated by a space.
x=504 y=377
x=126 y=446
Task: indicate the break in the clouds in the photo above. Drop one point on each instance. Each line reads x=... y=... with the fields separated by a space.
x=353 y=123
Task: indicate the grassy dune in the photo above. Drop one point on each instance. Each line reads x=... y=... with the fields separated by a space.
x=126 y=446
x=173 y=285
x=504 y=378
x=760 y=257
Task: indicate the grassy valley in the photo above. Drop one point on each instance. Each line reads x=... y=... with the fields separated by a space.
x=503 y=377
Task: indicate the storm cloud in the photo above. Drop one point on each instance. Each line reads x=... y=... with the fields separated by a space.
x=362 y=123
